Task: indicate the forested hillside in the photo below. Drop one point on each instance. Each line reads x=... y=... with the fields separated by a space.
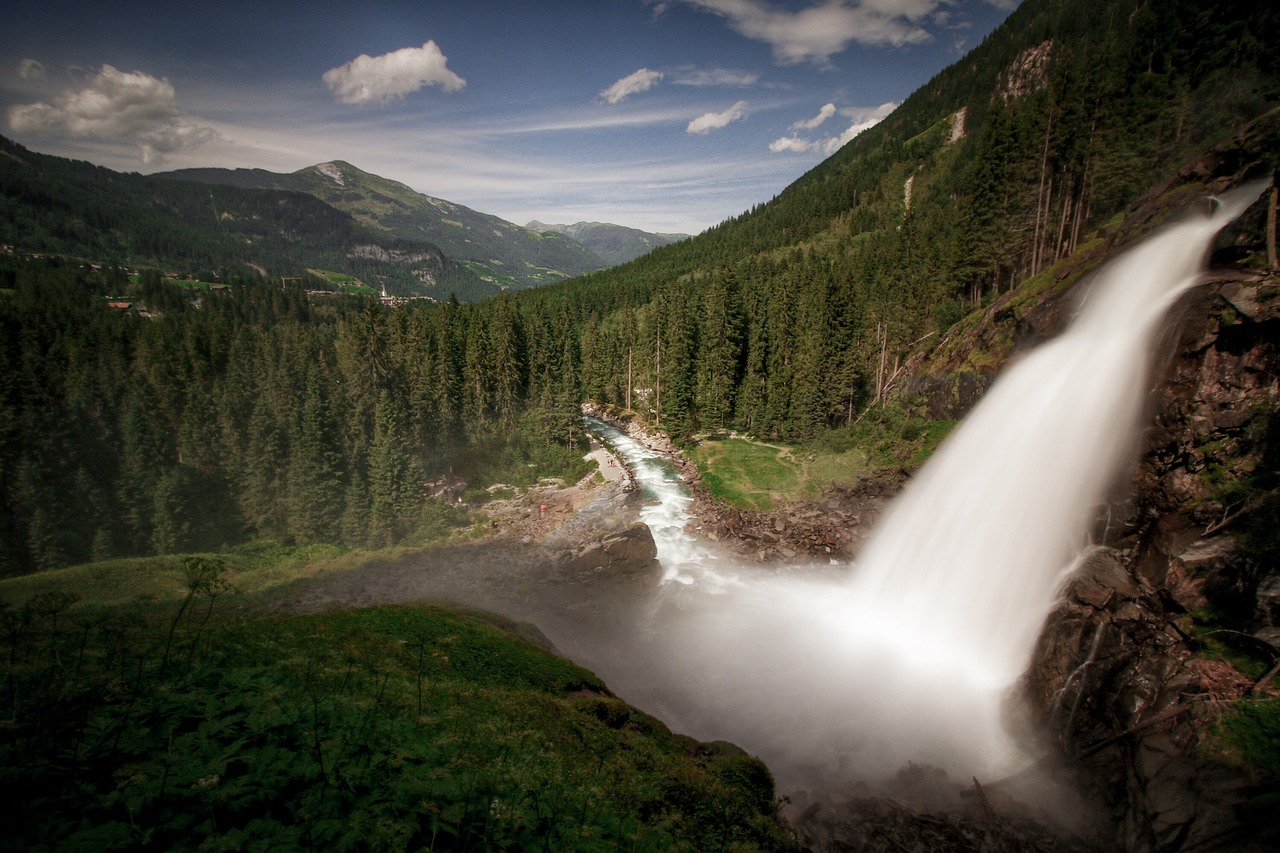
x=792 y=318
x=256 y=413
x=259 y=413
x=50 y=205
x=616 y=244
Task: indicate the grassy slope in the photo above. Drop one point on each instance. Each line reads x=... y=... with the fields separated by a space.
x=748 y=474
x=380 y=728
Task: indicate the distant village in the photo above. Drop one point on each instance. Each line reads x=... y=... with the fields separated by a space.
x=214 y=288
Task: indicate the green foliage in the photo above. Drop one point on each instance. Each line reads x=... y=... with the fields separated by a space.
x=256 y=414
x=1247 y=735
x=389 y=728
x=889 y=436
x=1248 y=732
x=263 y=413
x=801 y=310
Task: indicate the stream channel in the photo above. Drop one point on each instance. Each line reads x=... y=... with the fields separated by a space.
x=718 y=650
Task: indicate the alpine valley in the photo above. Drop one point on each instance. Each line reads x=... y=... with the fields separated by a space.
x=288 y=564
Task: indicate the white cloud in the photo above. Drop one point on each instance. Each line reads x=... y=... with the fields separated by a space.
x=863 y=119
x=816 y=33
x=791 y=143
x=827 y=111
x=715 y=77
x=379 y=79
x=633 y=84
x=708 y=122
x=30 y=69
x=116 y=105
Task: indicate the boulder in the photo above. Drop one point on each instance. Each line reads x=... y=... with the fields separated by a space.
x=628 y=552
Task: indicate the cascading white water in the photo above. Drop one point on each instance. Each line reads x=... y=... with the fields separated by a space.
x=831 y=676
x=968 y=559
x=686 y=559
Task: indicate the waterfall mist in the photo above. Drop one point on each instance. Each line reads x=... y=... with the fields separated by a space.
x=835 y=674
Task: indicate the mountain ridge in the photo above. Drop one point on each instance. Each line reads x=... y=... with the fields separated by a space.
x=53 y=205
x=505 y=255
x=617 y=244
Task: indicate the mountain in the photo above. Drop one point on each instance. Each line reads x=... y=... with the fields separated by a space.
x=617 y=244
x=503 y=254
x=51 y=205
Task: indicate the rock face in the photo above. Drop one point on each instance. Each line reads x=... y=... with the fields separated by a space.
x=1121 y=678
x=1117 y=682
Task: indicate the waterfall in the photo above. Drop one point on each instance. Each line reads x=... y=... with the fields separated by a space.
x=834 y=675
x=968 y=559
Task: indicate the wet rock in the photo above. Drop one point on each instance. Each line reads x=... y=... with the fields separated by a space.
x=864 y=823
x=1118 y=684
x=628 y=552
x=1122 y=693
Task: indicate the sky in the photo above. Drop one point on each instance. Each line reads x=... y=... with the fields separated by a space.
x=664 y=115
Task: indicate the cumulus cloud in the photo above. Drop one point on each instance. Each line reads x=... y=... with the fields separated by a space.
x=633 y=84
x=827 y=111
x=816 y=33
x=790 y=143
x=708 y=122
x=117 y=105
x=30 y=69
x=380 y=79
x=864 y=118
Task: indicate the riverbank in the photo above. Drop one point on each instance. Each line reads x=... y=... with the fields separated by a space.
x=833 y=526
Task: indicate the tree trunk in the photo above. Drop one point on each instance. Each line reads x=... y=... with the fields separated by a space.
x=1271 y=231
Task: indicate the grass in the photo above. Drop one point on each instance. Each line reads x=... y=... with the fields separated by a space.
x=1246 y=735
x=344 y=282
x=750 y=475
x=747 y=474
x=252 y=568
x=383 y=728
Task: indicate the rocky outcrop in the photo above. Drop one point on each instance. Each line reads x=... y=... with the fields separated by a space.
x=1127 y=680
x=1118 y=684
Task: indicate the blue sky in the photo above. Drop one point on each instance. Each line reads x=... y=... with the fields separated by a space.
x=666 y=115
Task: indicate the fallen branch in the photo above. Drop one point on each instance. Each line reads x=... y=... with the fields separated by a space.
x=1264 y=679
x=987 y=811
x=1248 y=507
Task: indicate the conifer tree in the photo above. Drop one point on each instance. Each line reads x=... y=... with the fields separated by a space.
x=720 y=350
